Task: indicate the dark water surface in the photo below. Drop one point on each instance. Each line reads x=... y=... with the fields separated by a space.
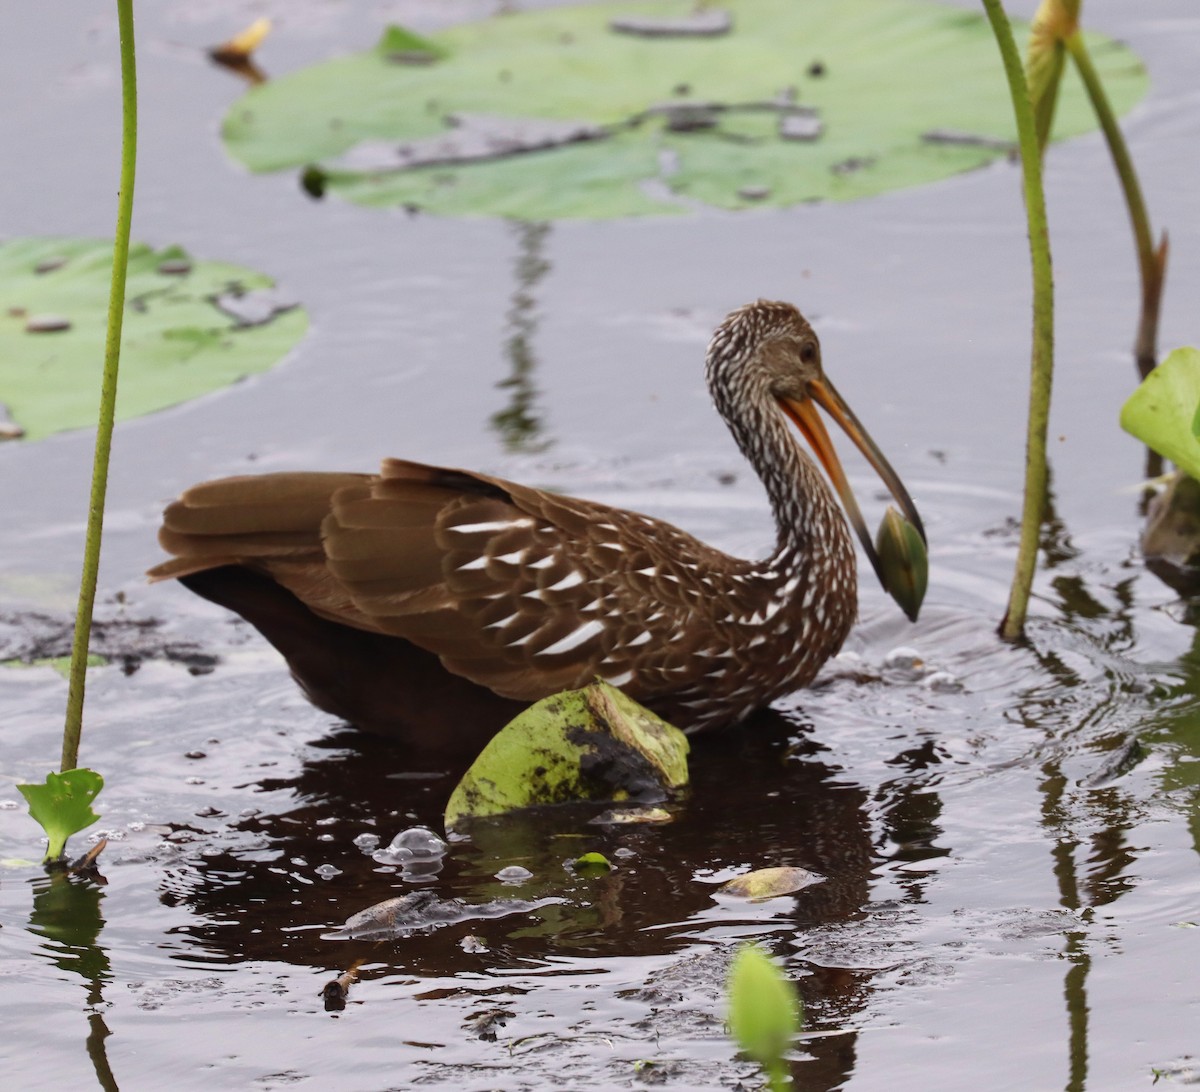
x=1008 y=835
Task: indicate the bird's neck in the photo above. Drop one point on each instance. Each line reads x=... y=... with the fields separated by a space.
x=810 y=528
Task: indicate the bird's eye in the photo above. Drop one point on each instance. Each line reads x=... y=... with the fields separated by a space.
x=808 y=352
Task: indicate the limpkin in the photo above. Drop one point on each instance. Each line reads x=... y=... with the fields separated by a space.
x=433 y=604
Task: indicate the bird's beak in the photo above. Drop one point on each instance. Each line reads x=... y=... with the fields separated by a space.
x=804 y=413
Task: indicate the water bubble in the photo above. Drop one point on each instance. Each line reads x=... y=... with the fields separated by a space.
x=514 y=874
x=327 y=871
x=367 y=842
x=943 y=682
x=905 y=659
x=413 y=844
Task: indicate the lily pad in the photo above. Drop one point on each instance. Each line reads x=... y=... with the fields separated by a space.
x=869 y=79
x=590 y=744
x=190 y=327
x=1163 y=411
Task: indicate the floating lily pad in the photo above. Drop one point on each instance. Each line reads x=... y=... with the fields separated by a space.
x=190 y=327
x=872 y=86
x=590 y=744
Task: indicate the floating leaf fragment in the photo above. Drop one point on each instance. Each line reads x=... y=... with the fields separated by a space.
x=589 y=744
x=768 y=883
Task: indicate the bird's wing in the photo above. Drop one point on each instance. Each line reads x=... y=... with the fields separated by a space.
x=520 y=590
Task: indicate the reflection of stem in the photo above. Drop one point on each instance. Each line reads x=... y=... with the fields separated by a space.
x=99 y=1054
x=1013 y=625
x=1152 y=262
x=1078 y=960
x=67 y=914
x=518 y=423
x=108 y=392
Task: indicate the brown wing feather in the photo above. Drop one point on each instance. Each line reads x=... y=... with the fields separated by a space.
x=522 y=591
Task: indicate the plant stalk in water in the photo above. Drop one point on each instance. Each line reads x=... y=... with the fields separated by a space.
x=1152 y=260
x=108 y=393
x=1042 y=363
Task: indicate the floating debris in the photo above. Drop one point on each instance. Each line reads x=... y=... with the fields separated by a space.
x=240 y=46
x=179 y=266
x=801 y=124
x=336 y=991
x=768 y=883
x=703 y=23
x=469 y=138
x=50 y=264
x=46 y=324
x=620 y=816
x=9 y=429
x=423 y=911
x=973 y=140
x=256 y=307
x=484 y=1024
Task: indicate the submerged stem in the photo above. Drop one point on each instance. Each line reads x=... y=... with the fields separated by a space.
x=108 y=393
x=1042 y=361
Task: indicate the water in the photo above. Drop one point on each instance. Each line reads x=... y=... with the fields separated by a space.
x=1007 y=834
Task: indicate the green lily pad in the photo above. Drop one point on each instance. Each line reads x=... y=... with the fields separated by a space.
x=589 y=744
x=1162 y=411
x=63 y=805
x=190 y=327
x=871 y=94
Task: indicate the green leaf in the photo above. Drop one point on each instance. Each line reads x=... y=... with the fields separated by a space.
x=764 y=1009
x=590 y=744
x=1162 y=412
x=879 y=73
x=63 y=805
x=177 y=342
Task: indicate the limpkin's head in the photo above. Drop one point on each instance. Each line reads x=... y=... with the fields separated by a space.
x=767 y=355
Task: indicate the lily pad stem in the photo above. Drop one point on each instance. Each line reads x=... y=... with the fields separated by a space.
x=1042 y=361
x=1152 y=261
x=108 y=393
